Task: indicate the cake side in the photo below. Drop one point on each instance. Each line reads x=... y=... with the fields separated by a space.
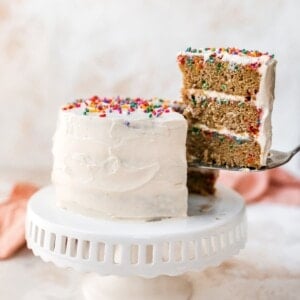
x=123 y=158
x=229 y=97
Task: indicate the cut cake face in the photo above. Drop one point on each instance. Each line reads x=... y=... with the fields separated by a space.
x=229 y=95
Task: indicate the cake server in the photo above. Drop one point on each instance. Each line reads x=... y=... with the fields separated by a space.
x=275 y=159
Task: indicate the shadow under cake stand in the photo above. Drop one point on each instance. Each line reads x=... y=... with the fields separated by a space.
x=141 y=260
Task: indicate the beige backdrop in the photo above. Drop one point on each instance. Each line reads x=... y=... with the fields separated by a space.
x=53 y=51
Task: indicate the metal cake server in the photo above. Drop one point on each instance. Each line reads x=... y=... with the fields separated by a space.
x=275 y=159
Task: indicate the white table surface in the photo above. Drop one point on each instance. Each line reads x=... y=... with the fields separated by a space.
x=269 y=267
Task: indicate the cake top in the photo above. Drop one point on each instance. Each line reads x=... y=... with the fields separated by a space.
x=230 y=50
x=119 y=107
x=236 y=55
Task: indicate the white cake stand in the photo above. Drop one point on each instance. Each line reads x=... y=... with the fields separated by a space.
x=148 y=257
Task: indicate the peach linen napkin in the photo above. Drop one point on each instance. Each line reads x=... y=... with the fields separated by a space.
x=274 y=185
x=12 y=219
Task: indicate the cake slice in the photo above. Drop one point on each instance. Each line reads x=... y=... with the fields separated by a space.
x=229 y=96
x=121 y=158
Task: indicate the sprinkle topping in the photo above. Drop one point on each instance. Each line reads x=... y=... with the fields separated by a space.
x=230 y=50
x=154 y=108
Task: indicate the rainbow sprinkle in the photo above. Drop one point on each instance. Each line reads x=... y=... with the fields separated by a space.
x=216 y=54
x=230 y=50
x=154 y=108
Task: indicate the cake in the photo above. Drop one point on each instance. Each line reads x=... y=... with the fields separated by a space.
x=121 y=158
x=229 y=96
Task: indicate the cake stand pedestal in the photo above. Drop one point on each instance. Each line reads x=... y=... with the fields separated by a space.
x=144 y=260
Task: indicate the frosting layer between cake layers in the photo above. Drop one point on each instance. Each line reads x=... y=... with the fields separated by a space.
x=123 y=158
x=229 y=95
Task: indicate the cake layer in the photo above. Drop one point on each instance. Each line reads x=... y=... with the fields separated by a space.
x=219 y=76
x=226 y=70
x=223 y=114
x=214 y=148
x=123 y=158
x=202 y=181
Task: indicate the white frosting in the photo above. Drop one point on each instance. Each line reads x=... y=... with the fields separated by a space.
x=124 y=166
x=264 y=100
x=213 y=94
x=224 y=130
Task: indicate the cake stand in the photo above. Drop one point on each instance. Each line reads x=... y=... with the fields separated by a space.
x=141 y=259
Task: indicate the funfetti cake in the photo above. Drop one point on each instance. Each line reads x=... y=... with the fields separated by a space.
x=229 y=95
x=122 y=158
